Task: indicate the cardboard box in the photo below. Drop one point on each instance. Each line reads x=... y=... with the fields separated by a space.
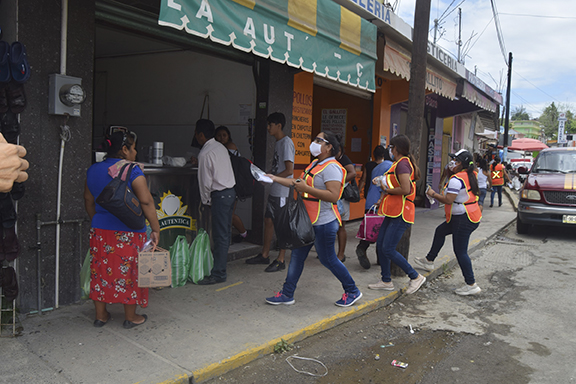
x=154 y=268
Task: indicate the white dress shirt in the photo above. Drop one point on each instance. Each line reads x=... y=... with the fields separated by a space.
x=214 y=170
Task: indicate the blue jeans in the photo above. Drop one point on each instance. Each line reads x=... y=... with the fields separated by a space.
x=482 y=196
x=496 y=188
x=222 y=208
x=324 y=243
x=389 y=236
x=460 y=227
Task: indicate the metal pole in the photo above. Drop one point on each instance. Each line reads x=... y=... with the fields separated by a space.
x=39 y=261
x=507 y=120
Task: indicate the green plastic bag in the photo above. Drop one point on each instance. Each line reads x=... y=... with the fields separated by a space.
x=180 y=260
x=85 y=277
x=201 y=255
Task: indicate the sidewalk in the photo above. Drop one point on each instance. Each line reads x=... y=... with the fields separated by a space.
x=197 y=332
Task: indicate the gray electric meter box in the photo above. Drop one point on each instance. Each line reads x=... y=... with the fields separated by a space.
x=66 y=95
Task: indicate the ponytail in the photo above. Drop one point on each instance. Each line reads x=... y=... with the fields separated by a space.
x=473 y=180
x=416 y=168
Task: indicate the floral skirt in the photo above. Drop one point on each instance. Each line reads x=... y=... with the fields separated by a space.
x=114 y=267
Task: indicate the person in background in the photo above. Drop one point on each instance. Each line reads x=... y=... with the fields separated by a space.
x=484 y=181
x=343 y=205
x=282 y=166
x=216 y=182
x=321 y=186
x=366 y=179
x=463 y=216
x=113 y=246
x=223 y=136
x=498 y=175
x=383 y=163
x=398 y=207
x=13 y=166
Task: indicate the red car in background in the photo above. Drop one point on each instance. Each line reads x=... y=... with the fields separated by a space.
x=548 y=196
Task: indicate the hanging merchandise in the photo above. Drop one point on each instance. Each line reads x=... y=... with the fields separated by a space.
x=201 y=255
x=85 y=277
x=180 y=259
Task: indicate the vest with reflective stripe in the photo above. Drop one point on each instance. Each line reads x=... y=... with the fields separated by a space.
x=396 y=205
x=471 y=205
x=313 y=204
x=497 y=175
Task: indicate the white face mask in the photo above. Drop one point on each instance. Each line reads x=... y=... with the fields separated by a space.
x=390 y=153
x=452 y=165
x=315 y=148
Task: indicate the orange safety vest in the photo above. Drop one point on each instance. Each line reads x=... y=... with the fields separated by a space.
x=498 y=175
x=396 y=205
x=311 y=203
x=471 y=205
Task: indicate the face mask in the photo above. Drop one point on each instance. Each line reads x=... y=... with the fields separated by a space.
x=315 y=148
x=390 y=153
x=451 y=165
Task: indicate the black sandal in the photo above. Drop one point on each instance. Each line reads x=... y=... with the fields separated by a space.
x=100 y=323
x=128 y=324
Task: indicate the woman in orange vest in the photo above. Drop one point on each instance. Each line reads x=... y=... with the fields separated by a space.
x=321 y=186
x=463 y=216
x=498 y=174
x=397 y=204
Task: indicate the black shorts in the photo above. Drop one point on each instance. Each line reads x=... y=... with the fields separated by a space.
x=273 y=206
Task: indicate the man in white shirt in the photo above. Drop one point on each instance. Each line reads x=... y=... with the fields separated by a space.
x=216 y=183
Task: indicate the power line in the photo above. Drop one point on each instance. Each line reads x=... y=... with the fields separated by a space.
x=540 y=16
x=499 y=31
x=552 y=97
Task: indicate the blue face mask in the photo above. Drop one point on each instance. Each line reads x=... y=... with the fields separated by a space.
x=390 y=153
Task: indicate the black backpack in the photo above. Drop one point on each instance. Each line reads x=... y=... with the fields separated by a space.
x=244 y=180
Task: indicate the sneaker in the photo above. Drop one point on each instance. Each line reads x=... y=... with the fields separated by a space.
x=348 y=299
x=468 y=290
x=258 y=259
x=275 y=266
x=389 y=286
x=415 y=284
x=280 y=298
x=423 y=263
x=362 y=258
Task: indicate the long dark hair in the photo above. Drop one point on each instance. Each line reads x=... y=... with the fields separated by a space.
x=225 y=129
x=402 y=145
x=483 y=165
x=115 y=142
x=472 y=178
x=495 y=163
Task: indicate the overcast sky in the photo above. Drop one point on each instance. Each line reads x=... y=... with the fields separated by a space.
x=542 y=42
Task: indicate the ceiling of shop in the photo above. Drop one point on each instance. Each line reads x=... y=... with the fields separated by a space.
x=114 y=42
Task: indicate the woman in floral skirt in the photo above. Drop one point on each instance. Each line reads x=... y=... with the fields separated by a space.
x=113 y=245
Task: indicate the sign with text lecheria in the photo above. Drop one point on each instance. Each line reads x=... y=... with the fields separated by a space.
x=302 y=116
x=171 y=213
x=334 y=120
x=317 y=36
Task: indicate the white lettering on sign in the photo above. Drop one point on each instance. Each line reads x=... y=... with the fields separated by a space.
x=375 y=8
x=290 y=37
x=205 y=11
x=269 y=39
x=249 y=29
x=443 y=57
x=174 y=5
x=359 y=69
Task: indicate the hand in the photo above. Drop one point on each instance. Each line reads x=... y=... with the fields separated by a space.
x=13 y=166
x=193 y=160
x=375 y=180
x=299 y=185
x=155 y=237
x=430 y=192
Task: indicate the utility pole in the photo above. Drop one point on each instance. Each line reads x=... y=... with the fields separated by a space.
x=459 y=34
x=507 y=120
x=435 y=30
x=416 y=100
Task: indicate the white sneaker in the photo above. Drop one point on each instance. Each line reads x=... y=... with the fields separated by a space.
x=423 y=263
x=382 y=285
x=468 y=290
x=415 y=284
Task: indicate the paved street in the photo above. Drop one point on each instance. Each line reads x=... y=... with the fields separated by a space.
x=518 y=330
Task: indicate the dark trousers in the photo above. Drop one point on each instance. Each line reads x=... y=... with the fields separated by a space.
x=222 y=208
x=460 y=227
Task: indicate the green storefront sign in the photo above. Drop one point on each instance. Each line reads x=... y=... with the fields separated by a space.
x=315 y=35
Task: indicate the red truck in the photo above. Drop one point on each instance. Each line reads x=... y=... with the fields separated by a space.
x=548 y=196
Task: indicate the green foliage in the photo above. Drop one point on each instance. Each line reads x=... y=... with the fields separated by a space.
x=282 y=346
x=549 y=119
x=519 y=113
